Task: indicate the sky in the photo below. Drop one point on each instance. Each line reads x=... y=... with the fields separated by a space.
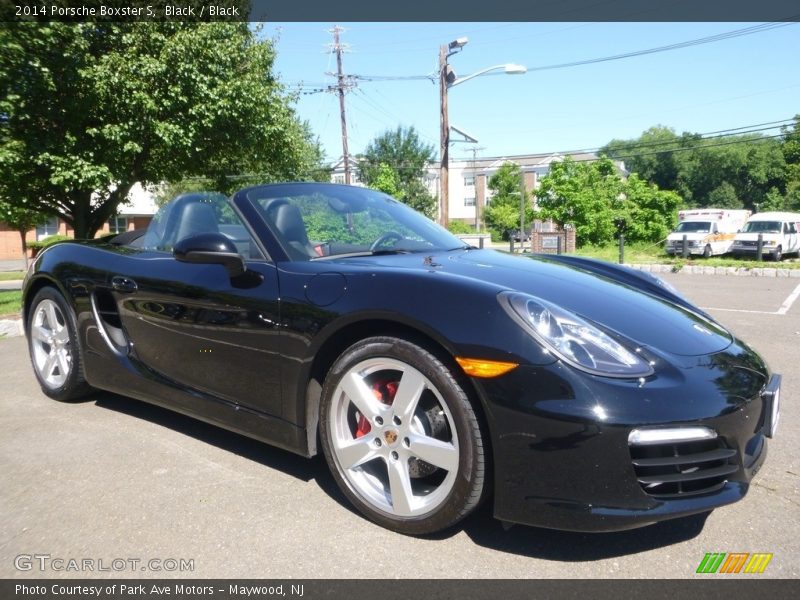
x=735 y=82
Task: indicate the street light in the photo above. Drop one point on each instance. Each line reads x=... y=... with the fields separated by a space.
x=448 y=79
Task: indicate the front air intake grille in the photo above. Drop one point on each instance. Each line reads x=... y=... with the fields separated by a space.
x=685 y=468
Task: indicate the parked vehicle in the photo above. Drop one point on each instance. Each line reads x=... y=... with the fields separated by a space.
x=778 y=231
x=518 y=235
x=708 y=231
x=316 y=317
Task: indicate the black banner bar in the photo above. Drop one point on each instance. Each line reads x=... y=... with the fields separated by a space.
x=712 y=587
x=408 y=10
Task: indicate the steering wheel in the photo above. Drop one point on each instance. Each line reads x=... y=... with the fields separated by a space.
x=386 y=237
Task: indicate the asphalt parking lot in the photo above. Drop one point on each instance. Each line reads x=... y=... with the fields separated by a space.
x=110 y=478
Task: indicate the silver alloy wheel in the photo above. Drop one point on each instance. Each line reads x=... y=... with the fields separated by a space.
x=382 y=465
x=52 y=351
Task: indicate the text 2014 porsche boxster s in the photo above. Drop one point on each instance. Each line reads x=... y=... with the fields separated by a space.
x=579 y=395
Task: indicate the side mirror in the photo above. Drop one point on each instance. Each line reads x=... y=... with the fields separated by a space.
x=210 y=249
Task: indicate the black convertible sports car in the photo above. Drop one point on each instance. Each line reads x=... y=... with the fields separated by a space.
x=579 y=394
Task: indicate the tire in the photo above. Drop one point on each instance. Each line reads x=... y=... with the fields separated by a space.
x=376 y=456
x=54 y=347
x=707 y=251
x=778 y=256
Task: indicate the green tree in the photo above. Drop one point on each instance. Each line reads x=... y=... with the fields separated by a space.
x=91 y=108
x=502 y=213
x=724 y=196
x=402 y=151
x=647 y=214
x=386 y=181
x=791 y=154
x=653 y=155
x=734 y=172
x=587 y=195
x=600 y=204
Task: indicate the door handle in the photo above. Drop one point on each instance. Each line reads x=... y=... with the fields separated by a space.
x=123 y=284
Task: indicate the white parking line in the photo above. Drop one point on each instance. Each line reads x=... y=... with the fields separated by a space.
x=787 y=304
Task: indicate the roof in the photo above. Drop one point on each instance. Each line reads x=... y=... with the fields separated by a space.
x=524 y=160
x=139 y=202
x=776 y=216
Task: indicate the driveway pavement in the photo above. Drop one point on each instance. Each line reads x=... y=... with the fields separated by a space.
x=110 y=478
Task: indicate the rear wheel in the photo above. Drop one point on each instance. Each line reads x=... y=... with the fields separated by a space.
x=401 y=437
x=54 y=347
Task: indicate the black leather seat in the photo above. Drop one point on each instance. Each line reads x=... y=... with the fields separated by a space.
x=196 y=217
x=290 y=226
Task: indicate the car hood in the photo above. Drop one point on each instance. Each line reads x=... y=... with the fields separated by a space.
x=639 y=316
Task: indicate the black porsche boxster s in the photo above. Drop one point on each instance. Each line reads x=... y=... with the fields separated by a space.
x=580 y=395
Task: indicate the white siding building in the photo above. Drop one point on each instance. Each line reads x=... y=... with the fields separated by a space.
x=469 y=178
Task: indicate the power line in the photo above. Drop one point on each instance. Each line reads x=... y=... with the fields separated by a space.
x=694 y=148
x=676 y=46
x=694 y=137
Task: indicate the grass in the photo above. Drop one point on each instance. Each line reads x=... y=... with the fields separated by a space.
x=654 y=254
x=11 y=275
x=10 y=302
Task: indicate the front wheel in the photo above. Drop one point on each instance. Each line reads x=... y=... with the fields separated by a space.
x=707 y=251
x=54 y=346
x=401 y=437
x=778 y=256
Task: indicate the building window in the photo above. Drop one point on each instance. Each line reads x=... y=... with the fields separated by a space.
x=469 y=180
x=338 y=179
x=469 y=201
x=47 y=229
x=118 y=224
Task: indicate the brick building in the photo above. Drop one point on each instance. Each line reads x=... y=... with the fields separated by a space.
x=135 y=214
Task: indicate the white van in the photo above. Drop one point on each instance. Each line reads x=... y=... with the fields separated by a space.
x=778 y=231
x=708 y=231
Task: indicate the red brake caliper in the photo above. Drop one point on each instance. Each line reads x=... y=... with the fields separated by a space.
x=384 y=391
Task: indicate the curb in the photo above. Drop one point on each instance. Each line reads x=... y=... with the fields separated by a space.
x=11 y=328
x=732 y=271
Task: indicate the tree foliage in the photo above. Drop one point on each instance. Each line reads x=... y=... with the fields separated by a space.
x=791 y=154
x=91 y=108
x=734 y=172
x=595 y=199
x=502 y=213
x=403 y=153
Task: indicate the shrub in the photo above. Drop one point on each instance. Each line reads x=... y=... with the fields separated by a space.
x=457 y=227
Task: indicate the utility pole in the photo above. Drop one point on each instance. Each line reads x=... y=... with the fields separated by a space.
x=478 y=204
x=444 y=139
x=343 y=83
x=522 y=202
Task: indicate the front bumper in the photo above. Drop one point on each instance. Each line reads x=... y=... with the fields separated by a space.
x=565 y=462
x=753 y=250
x=678 y=250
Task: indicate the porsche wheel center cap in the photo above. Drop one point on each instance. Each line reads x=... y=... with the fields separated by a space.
x=390 y=436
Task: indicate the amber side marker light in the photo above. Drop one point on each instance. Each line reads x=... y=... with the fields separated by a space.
x=478 y=367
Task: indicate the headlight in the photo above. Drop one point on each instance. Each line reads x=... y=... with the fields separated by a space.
x=573 y=339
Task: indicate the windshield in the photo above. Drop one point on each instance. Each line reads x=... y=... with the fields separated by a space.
x=694 y=227
x=315 y=221
x=762 y=227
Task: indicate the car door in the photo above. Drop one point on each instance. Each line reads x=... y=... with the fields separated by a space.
x=793 y=240
x=195 y=325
